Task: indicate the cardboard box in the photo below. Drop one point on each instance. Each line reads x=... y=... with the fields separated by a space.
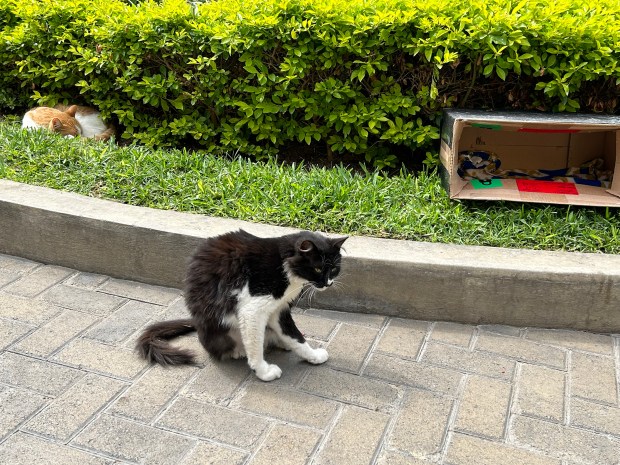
x=527 y=143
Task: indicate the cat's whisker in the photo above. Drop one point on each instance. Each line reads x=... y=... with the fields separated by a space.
x=343 y=274
x=312 y=292
x=308 y=294
x=305 y=291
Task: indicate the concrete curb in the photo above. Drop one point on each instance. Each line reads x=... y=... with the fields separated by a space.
x=477 y=285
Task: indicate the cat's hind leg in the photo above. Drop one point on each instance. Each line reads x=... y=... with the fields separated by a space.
x=217 y=342
x=284 y=326
x=239 y=351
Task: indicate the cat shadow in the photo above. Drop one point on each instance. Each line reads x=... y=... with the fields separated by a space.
x=293 y=367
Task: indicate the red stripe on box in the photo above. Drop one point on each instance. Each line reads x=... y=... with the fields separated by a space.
x=547 y=187
x=549 y=131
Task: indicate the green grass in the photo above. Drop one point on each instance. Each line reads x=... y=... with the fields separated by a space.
x=336 y=200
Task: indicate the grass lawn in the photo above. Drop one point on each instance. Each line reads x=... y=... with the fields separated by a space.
x=408 y=206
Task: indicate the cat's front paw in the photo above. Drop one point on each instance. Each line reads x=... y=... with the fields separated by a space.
x=267 y=372
x=318 y=356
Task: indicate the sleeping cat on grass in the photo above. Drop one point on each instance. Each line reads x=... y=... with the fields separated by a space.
x=239 y=289
x=69 y=121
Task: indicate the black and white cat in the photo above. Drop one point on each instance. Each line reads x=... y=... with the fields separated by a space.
x=239 y=289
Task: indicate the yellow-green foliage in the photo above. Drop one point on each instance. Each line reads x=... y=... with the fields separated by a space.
x=351 y=75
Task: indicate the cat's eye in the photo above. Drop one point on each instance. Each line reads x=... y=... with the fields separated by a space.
x=334 y=271
x=318 y=270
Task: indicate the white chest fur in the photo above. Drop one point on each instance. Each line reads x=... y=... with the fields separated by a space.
x=265 y=305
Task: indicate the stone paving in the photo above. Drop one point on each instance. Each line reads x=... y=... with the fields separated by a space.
x=72 y=390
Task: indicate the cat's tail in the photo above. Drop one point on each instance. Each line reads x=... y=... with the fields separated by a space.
x=153 y=344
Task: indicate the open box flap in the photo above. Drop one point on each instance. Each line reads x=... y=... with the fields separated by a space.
x=588 y=195
x=457 y=183
x=533 y=119
x=615 y=185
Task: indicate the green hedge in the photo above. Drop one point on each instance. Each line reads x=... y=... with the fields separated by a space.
x=348 y=76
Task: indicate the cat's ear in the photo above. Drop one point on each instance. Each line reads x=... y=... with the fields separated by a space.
x=339 y=241
x=55 y=125
x=72 y=110
x=306 y=246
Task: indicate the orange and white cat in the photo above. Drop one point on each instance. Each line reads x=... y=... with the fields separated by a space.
x=69 y=121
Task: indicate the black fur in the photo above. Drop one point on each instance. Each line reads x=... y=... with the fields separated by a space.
x=222 y=266
x=289 y=327
x=153 y=347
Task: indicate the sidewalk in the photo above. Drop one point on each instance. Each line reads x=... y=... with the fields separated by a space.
x=394 y=391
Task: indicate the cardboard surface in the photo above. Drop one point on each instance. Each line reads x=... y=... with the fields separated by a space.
x=532 y=141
